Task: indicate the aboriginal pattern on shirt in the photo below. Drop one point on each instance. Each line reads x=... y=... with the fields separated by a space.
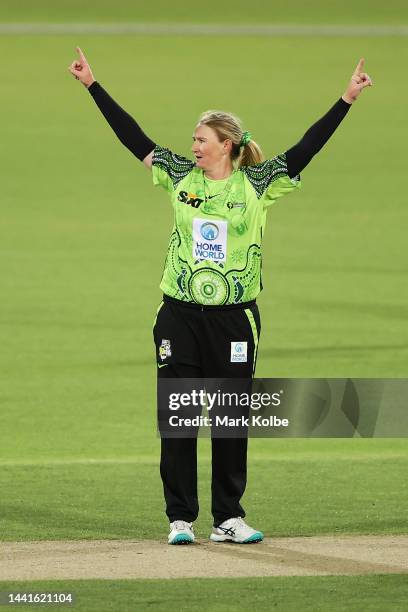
x=191 y=285
x=214 y=253
x=262 y=175
x=175 y=166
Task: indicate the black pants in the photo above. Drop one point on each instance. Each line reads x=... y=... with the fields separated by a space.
x=200 y=343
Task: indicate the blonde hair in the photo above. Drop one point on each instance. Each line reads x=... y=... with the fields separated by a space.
x=228 y=126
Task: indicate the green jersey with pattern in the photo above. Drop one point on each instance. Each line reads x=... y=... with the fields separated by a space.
x=214 y=254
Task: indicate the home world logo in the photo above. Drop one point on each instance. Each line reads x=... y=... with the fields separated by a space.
x=209 y=240
x=209 y=231
x=239 y=352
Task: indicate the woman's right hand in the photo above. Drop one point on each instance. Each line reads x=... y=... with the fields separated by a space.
x=81 y=70
x=359 y=80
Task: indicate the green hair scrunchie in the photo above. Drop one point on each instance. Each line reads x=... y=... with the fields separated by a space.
x=245 y=138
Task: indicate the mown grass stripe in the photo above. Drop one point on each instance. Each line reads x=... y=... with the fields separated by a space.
x=310 y=456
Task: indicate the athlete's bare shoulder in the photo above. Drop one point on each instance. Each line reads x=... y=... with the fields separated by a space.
x=148 y=160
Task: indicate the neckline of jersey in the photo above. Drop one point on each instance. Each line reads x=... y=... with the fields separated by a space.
x=227 y=178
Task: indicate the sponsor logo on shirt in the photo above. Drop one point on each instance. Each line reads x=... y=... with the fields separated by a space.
x=209 y=240
x=192 y=199
x=209 y=231
x=239 y=352
x=231 y=205
x=189 y=198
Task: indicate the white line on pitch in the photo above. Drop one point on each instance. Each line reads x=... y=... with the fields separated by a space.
x=193 y=29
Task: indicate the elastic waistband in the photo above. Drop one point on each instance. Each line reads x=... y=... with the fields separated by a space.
x=167 y=298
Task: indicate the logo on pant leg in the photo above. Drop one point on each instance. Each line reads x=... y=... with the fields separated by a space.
x=239 y=352
x=165 y=349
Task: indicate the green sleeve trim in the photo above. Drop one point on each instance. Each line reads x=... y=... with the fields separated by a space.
x=161 y=178
x=279 y=188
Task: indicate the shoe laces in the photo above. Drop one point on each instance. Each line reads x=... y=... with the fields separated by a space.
x=237 y=522
x=179 y=525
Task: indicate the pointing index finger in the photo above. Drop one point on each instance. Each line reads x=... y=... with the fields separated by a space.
x=81 y=55
x=360 y=66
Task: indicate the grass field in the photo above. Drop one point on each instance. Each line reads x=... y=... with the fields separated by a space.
x=337 y=594
x=82 y=225
x=182 y=11
x=289 y=494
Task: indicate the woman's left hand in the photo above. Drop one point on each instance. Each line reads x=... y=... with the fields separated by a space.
x=359 y=80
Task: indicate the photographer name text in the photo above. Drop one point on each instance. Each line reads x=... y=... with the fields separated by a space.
x=225 y=421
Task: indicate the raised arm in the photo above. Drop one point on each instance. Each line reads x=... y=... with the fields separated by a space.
x=125 y=127
x=298 y=157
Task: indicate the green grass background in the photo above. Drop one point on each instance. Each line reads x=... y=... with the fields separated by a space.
x=311 y=594
x=83 y=238
x=289 y=494
x=183 y=11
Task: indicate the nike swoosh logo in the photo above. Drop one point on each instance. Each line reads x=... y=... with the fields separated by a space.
x=162 y=365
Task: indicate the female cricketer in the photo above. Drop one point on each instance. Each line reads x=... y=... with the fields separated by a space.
x=208 y=323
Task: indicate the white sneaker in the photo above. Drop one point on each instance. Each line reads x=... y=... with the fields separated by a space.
x=181 y=532
x=236 y=530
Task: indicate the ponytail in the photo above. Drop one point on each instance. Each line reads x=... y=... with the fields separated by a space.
x=250 y=154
